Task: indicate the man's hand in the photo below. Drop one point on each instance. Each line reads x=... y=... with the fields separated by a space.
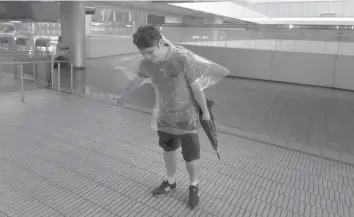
x=206 y=116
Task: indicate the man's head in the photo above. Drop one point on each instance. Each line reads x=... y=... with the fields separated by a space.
x=148 y=40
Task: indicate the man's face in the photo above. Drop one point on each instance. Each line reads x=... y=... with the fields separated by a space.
x=153 y=54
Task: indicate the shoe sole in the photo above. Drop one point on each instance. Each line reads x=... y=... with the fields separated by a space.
x=160 y=195
x=192 y=207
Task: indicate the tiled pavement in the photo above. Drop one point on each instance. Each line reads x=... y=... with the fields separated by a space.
x=62 y=155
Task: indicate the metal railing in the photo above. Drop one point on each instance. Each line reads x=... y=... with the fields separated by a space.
x=19 y=65
x=59 y=68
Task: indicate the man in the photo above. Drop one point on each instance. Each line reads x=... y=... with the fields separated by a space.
x=61 y=52
x=178 y=95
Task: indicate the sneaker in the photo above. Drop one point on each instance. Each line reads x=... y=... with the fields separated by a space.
x=193 y=196
x=164 y=188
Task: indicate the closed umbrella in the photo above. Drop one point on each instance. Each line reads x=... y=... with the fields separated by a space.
x=210 y=127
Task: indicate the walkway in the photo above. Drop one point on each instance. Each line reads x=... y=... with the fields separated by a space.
x=63 y=155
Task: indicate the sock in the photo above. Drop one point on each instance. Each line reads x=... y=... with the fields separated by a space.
x=194 y=183
x=171 y=180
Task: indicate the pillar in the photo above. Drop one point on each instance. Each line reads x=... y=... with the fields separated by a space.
x=72 y=20
x=143 y=18
x=132 y=21
x=213 y=19
x=88 y=20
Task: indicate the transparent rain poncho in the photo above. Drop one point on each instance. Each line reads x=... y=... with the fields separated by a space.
x=176 y=111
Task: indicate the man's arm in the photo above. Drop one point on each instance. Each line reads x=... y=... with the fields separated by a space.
x=199 y=96
x=131 y=87
x=133 y=84
x=191 y=76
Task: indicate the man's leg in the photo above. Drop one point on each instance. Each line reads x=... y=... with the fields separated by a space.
x=193 y=169
x=170 y=143
x=171 y=165
x=191 y=154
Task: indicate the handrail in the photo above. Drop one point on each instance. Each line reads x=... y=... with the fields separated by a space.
x=52 y=72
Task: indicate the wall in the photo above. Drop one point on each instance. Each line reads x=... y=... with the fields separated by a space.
x=344 y=74
x=298 y=46
x=293 y=67
x=97 y=47
x=334 y=68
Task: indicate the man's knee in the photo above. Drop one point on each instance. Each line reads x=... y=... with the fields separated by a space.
x=190 y=159
x=190 y=147
x=168 y=142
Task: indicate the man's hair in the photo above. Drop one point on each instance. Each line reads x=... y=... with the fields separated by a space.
x=146 y=36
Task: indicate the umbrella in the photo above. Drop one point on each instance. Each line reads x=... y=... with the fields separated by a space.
x=210 y=127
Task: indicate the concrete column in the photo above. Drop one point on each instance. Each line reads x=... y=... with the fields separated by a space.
x=130 y=16
x=88 y=19
x=72 y=16
x=213 y=19
x=132 y=21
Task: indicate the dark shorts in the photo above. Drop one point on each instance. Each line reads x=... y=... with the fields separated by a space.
x=189 y=142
